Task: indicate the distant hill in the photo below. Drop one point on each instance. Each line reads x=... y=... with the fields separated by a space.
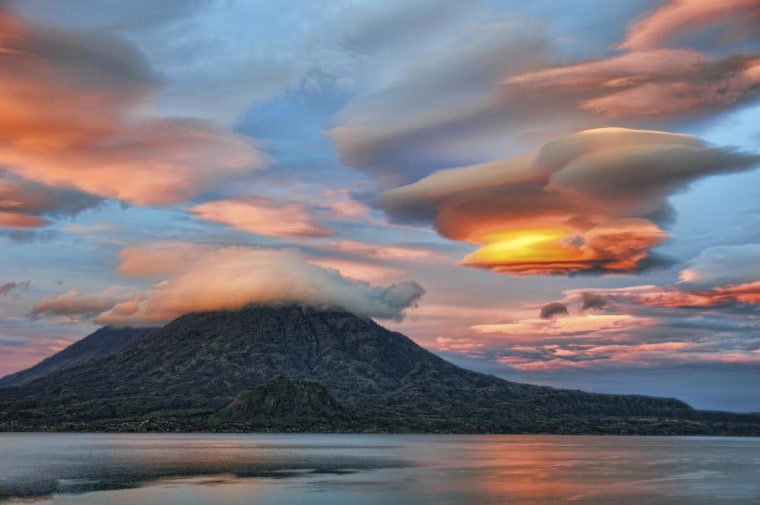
x=210 y=371
x=284 y=404
x=104 y=342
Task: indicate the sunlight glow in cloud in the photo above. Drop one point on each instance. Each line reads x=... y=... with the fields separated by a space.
x=588 y=202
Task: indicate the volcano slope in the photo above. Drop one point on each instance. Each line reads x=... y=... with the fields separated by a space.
x=190 y=374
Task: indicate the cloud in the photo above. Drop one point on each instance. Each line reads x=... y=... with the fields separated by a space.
x=72 y=303
x=440 y=105
x=22 y=202
x=360 y=270
x=589 y=202
x=232 y=277
x=564 y=327
x=721 y=277
x=645 y=325
x=656 y=83
x=462 y=345
x=384 y=252
x=262 y=216
x=553 y=309
x=76 y=114
x=16 y=220
x=495 y=89
x=592 y=301
x=718 y=268
x=167 y=259
x=10 y=287
x=735 y=19
x=373 y=261
x=13 y=342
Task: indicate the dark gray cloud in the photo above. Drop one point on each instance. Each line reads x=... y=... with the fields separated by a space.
x=553 y=309
x=591 y=301
x=27 y=203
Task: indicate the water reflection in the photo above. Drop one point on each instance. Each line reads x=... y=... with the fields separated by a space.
x=369 y=469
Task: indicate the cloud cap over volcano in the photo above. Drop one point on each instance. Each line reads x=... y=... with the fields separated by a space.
x=206 y=278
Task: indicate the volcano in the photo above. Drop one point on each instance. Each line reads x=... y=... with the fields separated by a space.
x=293 y=368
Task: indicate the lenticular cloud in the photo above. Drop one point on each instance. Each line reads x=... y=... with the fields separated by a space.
x=591 y=202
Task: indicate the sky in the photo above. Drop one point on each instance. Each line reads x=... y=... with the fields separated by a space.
x=559 y=192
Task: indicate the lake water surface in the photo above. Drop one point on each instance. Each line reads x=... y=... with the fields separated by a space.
x=188 y=469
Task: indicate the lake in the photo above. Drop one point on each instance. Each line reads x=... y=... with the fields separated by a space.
x=261 y=469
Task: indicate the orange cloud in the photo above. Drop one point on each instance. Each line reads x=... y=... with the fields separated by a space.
x=14 y=220
x=586 y=202
x=616 y=246
x=262 y=217
x=75 y=114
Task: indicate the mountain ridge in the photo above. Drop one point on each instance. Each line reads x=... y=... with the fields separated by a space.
x=103 y=342
x=192 y=368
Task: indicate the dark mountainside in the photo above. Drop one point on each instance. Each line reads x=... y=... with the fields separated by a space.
x=337 y=372
x=287 y=403
x=104 y=342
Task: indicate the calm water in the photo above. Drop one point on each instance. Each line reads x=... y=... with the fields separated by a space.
x=375 y=469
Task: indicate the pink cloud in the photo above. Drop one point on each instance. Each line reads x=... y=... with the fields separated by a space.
x=358 y=269
x=262 y=217
x=19 y=357
x=717 y=276
x=160 y=260
x=662 y=98
x=462 y=345
x=614 y=72
x=72 y=303
x=566 y=326
x=384 y=251
x=341 y=206
x=679 y=16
